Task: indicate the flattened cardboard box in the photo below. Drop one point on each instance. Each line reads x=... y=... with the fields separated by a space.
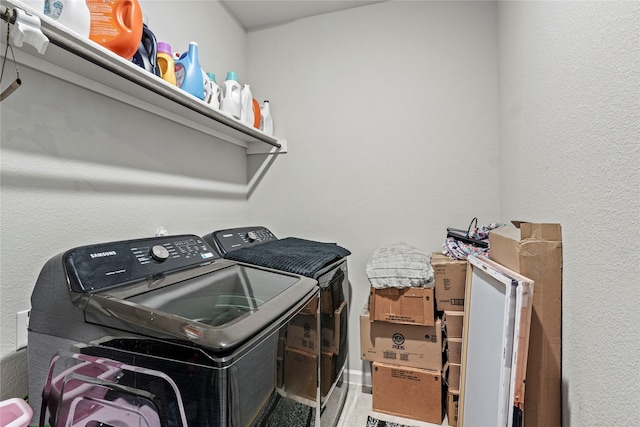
x=452 y=322
x=450 y=276
x=451 y=373
x=408 y=392
x=452 y=347
x=535 y=251
x=415 y=346
x=411 y=306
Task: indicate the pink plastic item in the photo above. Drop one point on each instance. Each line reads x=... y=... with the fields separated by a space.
x=15 y=413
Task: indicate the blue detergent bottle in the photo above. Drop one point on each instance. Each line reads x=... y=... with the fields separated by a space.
x=189 y=73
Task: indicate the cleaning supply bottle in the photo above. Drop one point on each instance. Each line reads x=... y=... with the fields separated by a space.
x=246 y=105
x=230 y=102
x=147 y=55
x=189 y=73
x=166 y=63
x=215 y=91
x=267 y=122
x=206 y=82
x=256 y=114
x=73 y=14
x=116 y=25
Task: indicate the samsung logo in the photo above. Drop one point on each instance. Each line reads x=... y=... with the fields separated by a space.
x=102 y=254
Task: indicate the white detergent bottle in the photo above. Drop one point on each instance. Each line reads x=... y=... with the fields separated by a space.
x=246 y=105
x=73 y=14
x=214 y=101
x=206 y=82
x=266 y=122
x=230 y=102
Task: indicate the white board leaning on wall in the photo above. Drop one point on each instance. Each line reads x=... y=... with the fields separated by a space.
x=495 y=344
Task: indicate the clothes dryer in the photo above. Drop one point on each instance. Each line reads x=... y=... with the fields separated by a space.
x=326 y=263
x=167 y=322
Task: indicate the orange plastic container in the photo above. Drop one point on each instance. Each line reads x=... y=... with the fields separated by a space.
x=256 y=114
x=116 y=25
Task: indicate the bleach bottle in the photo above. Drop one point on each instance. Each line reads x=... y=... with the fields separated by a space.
x=188 y=72
x=230 y=102
x=266 y=121
x=73 y=14
x=246 y=105
x=214 y=101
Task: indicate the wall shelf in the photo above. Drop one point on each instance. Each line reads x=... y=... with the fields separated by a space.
x=84 y=63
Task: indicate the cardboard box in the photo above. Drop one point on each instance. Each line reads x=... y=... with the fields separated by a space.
x=452 y=407
x=535 y=251
x=452 y=347
x=301 y=373
x=450 y=276
x=452 y=322
x=451 y=373
x=412 y=306
x=333 y=327
x=302 y=333
x=408 y=392
x=415 y=346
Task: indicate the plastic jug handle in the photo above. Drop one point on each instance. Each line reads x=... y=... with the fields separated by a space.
x=124 y=13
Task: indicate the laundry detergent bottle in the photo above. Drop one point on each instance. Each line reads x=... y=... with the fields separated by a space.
x=206 y=82
x=266 y=121
x=257 y=117
x=116 y=25
x=73 y=14
x=214 y=101
x=188 y=72
x=230 y=102
x=166 y=63
x=246 y=105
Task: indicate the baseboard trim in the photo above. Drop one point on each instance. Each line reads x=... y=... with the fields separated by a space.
x=359 y=377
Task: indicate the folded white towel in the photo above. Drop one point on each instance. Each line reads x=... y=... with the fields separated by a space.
x=400 y=266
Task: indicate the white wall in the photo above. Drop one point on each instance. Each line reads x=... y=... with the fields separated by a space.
x=391 y=115
x=570 y=153
x=80 y=168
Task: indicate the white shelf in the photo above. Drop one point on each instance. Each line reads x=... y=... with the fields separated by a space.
x=84 y=63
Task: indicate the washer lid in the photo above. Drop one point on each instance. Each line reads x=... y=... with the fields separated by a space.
x=219 y=310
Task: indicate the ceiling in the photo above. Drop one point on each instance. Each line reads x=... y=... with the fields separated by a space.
x=256 y=14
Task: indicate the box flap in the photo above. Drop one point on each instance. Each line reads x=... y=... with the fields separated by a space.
x=530 y=230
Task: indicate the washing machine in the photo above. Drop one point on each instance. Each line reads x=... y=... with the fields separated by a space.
x=324 y=262
x=164 y=332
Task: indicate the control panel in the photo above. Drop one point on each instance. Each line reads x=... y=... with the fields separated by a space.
x=235 y=238
x=97 y=267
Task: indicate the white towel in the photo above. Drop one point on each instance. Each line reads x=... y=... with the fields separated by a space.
x=400 y=266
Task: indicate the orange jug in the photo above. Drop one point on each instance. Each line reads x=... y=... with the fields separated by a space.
x=116 y=25
x=256 y=114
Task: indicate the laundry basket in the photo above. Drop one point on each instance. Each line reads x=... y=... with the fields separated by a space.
x=15 y=413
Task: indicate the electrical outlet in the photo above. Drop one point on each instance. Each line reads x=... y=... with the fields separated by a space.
x=22 y=325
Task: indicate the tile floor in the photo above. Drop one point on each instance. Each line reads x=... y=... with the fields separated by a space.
x=358 y=407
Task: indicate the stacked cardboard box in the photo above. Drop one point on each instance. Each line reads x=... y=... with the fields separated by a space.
x=402 y=337
x=450 y=281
